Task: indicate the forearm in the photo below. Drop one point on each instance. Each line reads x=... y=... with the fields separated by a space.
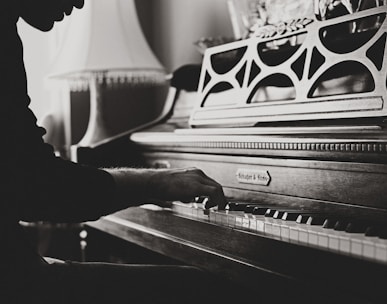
x=62 y=191
x=133 y=186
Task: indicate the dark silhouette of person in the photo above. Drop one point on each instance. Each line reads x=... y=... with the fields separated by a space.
x=35 y=185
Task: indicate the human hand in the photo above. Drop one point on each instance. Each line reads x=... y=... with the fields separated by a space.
x=185 y=185
x=137 y=186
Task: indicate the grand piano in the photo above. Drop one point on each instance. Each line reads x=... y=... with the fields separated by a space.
x=292 y=123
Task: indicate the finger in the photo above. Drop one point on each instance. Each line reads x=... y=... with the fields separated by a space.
x=187 y=201
x=218 y=193
x=215 y=195
x=165 y=204
x=160 y=203
x=213 y=188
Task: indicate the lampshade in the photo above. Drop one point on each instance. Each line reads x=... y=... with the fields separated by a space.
x=105 y=36
x=103 y=44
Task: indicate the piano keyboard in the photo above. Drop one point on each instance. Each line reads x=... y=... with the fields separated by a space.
x=361 y=239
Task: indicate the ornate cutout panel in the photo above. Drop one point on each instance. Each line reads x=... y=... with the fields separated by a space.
x=305 y=70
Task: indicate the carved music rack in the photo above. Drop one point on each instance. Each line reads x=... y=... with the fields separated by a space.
x=306 y=69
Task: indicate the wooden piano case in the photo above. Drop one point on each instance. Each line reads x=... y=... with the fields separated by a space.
x=275 y=126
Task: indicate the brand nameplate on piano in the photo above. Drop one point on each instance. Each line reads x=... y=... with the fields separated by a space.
x=254 y=177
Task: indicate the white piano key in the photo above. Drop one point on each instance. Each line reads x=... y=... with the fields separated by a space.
x=369 y=247
x=293 y=233
x=195 y=211
x=356 y=245
x=204 y=215
x=190 y=210
x=323 y=239
x=317 y=236
x=344 y=243
x=256 y=223
x=225 y=219
x=268 y=226
x=183 y=209
x=261 y=225
x=238 y=221
x=333 y=241
x=253 y=223
x=212 y=216
x=303 y=234
x=276 y=228
x=285 y=232
x=220 y=217
x=381 y=251
x=246 y=222
x=232 y=219
x=313 y=237
x=312 y=234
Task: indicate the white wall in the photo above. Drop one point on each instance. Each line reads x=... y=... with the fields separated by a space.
x=36 y=59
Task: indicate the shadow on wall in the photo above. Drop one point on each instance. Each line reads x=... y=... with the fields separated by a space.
x=172 y=26
x=127 y=107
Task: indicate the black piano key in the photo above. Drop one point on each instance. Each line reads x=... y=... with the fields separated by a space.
x=302 y=218
x=249 y=208
x=278 y=214
x=201 y=199
x=382 y=234
x=329 y=223
x=260 y=210
x=287 y=214
x=372 y=231
x=376 y=229
x=314 y=217
x=357 y=226
x=237 y=206
x=275 y=213
x=316 y=220
x=290 y=215
x=270 y=212
x=341 y=225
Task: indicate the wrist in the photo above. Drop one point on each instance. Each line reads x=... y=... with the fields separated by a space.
x=135 y=186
